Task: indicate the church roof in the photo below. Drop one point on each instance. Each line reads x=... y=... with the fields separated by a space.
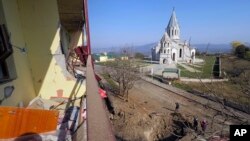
x=173 y=21
x=165 y=37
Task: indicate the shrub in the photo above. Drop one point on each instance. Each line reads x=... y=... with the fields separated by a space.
x=247 y=56
x=240 y=51
x=139 y=55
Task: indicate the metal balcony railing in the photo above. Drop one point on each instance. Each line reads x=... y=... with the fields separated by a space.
x=98 y=124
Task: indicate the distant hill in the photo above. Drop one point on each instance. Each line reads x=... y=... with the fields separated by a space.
x=213 y=48
x=146 y=48
x=106 y=49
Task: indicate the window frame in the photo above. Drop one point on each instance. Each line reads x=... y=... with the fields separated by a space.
x=5 y=52
x=5 y=48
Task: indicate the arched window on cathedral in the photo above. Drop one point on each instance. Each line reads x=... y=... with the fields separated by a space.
x=164 y=51
x=180 y=53
x=172 y=32
x=168 y=51
x=168 y=44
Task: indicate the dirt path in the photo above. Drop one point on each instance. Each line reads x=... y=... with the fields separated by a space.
x=160 y=100
x=188 y=68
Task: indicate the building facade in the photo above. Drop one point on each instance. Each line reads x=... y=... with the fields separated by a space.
x=170 y=49
x=41 y=35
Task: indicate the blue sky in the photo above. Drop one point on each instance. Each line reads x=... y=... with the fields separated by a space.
x=137 y=22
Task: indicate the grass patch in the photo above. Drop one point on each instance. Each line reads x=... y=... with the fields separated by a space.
x=110 y=81
x=182 y=86
x=141 y=63
x=186 y=73
x=195 y=67
x=101 y=63
x=205 y=71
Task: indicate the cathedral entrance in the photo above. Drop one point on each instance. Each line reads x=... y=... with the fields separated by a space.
x=164 y=61
x=192 y=55
x=173 y=56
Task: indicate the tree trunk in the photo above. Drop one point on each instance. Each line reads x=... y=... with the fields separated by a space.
x=120 y=89
x=127 y=95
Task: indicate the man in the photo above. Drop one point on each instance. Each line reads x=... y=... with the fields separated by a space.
x=177 y=106
x=195 y=123
x=204 y=125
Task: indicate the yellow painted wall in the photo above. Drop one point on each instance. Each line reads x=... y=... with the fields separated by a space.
x=24 y=90
x=42 y=70
x=41 y=28
x=40 y=23
x=76 y=39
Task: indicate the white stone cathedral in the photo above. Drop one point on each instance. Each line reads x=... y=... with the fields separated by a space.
x=170 y=49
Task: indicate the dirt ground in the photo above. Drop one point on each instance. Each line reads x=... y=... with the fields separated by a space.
x=150 y=114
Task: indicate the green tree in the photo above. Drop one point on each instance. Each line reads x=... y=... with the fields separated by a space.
x=240 y=51
x=234 y=45
x=247 y=56
x=139 y=55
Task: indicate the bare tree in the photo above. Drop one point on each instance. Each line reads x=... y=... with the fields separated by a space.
x=125 y=73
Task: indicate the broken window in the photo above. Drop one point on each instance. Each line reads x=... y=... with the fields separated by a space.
x=5 y=46
x=6 y=71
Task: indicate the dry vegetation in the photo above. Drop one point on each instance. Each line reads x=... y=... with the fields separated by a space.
x=124 y=73
x=237 y=89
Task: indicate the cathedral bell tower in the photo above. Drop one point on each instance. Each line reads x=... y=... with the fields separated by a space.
x=173 y=28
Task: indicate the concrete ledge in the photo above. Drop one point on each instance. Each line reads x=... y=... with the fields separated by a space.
x=202 y=80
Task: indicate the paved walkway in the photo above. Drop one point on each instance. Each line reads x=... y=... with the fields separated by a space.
x=197 y=65
x=158 y=68
x=188 y=68
x=203 y=101
x=198 y=61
